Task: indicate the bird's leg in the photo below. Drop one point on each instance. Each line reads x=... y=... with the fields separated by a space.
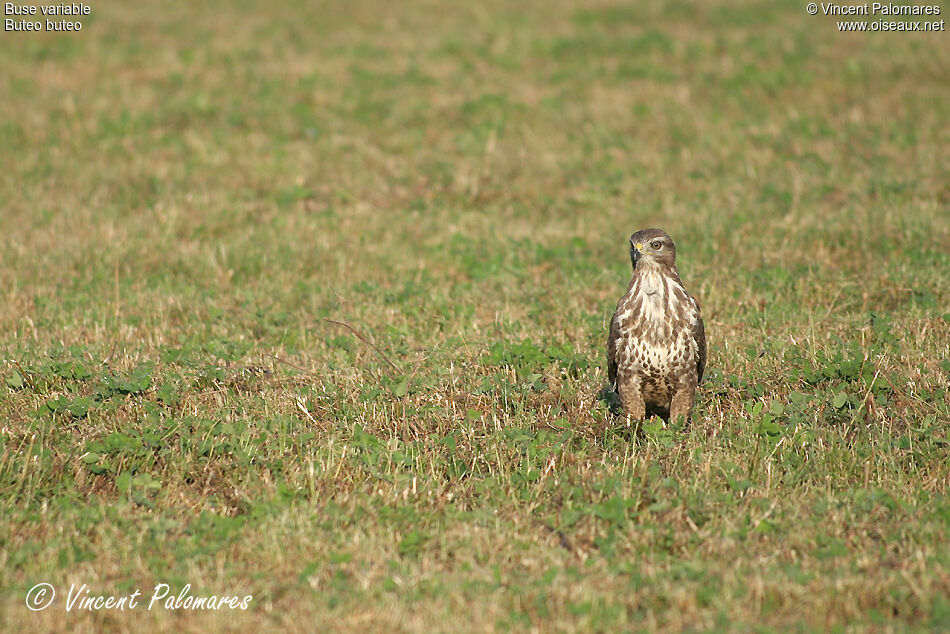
x=682 y=402
x=631 y=400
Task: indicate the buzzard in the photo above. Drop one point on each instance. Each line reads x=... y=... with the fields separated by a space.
x=656 y=351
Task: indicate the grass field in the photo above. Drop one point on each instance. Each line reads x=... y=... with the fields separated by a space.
x=309 y=303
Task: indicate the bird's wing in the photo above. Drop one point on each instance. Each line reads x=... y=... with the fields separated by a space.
x=699 y=335
x=612 y=339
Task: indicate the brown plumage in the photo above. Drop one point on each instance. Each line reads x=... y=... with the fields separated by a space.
x=656 y=350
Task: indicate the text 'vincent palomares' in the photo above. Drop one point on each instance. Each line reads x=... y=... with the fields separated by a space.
x=877 y=8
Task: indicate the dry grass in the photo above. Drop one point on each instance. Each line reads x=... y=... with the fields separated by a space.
x=192 y=196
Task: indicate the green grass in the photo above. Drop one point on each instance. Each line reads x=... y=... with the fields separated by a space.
x=193 y=196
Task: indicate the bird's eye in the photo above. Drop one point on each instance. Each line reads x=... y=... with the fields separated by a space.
x=656 y=244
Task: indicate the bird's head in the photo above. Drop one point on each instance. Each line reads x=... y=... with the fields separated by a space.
x=652 y=246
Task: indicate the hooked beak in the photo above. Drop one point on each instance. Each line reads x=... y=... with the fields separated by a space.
x=636 y=252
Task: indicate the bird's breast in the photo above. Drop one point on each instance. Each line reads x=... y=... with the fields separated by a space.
x=651 y=298
x=656 y=319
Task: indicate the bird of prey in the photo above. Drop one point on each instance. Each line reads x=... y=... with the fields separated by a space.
x=656 y=350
